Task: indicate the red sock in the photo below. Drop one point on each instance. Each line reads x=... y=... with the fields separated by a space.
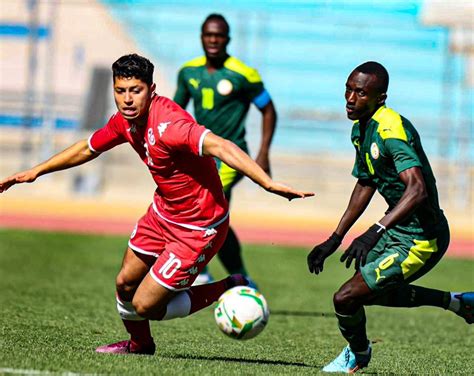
x=139 y=331
x=203 y=296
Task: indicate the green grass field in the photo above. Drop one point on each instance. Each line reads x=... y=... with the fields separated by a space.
x=57 y=304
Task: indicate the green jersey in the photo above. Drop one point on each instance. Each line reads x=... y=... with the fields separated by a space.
x=388 y=145
x=221 y=98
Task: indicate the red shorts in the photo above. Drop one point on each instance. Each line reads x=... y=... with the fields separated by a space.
x=181 y=253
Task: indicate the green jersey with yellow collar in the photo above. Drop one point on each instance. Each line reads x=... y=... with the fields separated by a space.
x=221 y=98
x=388 y=145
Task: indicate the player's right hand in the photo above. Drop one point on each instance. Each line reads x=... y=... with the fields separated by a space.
x=27 y=176
x=287 y=191
x=320 y=252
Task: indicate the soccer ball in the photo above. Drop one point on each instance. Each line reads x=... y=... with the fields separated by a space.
x=241 y=312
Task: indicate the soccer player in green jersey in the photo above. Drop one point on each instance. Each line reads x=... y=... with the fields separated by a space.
x=407 y=242
x=222 y=89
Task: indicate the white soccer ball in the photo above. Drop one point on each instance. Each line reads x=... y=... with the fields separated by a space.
x=241 y=312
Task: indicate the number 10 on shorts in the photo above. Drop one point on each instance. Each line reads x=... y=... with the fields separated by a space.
x=170 y=266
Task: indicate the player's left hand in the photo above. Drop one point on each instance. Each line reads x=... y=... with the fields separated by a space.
x=361 y=246
x=287 y=191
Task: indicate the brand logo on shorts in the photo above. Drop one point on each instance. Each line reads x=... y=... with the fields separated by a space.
x=201 y=258
x=208 y=245
x=224 y=87
x=193 y=270
x=374 y=150
x=210 y=232
x=184 y=282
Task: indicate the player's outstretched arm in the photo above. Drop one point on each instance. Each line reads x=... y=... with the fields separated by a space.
x=234 y=157
x=74 y=155
x=360 y=198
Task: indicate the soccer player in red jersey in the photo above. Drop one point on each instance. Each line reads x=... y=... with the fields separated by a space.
x=188 y=220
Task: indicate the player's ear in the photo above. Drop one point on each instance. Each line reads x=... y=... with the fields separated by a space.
x=382 y=98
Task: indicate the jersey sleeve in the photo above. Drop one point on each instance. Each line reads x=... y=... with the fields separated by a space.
x=254 y=89
x=185 y=136
x=359 y=171
x=107 y=137
x=182 y=95
x=403 y=154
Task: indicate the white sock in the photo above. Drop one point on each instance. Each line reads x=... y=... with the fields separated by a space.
x=179 y=306
x=455 y=303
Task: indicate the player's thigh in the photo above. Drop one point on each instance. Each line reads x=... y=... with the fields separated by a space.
x=402 y=258
x=186 y=254
x=134 y=267
x=151 y=298
x=144 y=246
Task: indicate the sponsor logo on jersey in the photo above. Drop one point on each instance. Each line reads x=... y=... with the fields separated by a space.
x=208 y=245
x=201 y=258
x=374 y=150
x=162 y=127
x=224 y=87
x=194 y=83
x=193 y=270
x=184 y=282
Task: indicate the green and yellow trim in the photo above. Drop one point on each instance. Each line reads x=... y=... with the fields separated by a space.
x=239 y=67
x=390 y=124
x=418 y=255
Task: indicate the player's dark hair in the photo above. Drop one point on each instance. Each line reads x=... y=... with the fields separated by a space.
x=216 y=17
x=134 y=65
x=378 y=70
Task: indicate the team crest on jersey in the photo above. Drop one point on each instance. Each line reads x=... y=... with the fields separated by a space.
x=151 y=137
x=224 y=87
x=374 y=150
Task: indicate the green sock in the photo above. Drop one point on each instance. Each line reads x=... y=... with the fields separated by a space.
x=230 y=254
x=352 y=328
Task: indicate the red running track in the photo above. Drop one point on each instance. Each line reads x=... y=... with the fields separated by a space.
x=460 y=248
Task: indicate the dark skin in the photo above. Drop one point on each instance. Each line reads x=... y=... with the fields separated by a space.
x=363 y=99
x=215 y=38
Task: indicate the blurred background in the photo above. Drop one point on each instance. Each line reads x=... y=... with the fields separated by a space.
x=56 y=88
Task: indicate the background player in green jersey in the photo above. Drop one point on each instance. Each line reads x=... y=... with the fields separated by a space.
x=408 y=240
x=222 y=89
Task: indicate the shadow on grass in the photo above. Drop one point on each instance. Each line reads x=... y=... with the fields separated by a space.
x=282 y=312
x=241 y=360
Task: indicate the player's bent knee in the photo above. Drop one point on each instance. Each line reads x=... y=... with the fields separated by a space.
x=147 y=309
x=124 y=286
x=344 y=300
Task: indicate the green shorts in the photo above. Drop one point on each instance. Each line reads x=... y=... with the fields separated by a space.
x=400 y=257
x=229 y=177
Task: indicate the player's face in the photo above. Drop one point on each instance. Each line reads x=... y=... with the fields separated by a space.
x=214 y=39
x=362 y=96
x=132 y=97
